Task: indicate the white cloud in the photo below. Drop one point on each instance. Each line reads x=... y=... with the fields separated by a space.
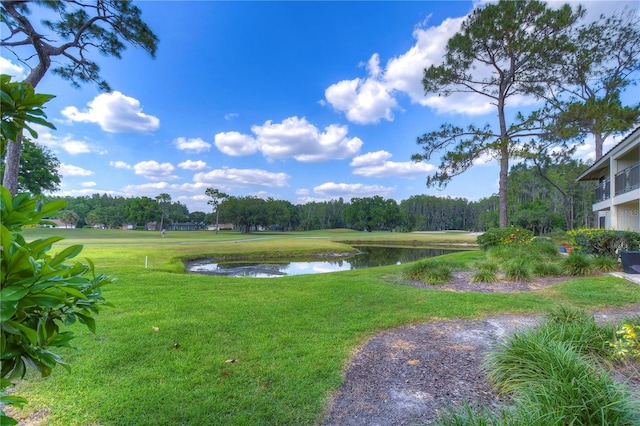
x=231 y=116
x=193 y=165
x=67 y=143
x=89 y=184
x=376 y=165
x=366 y=100
x=120 y=165
x=149 y=189
x=9 y=68
x=154 y=171
x=114 y=113
x=233 y=178
x=69 y=170
x=355 y=190
x=404 y=73
x=292 y=138
x=84 y=192
x=75 y=147
x=370 y=158
x=374 y=97
x=235 y=144
x=195 y=145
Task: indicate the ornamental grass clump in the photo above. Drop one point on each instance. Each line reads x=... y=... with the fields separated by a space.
x=551 y=374
x=605 y=264
x=518 y=269
x=578 y=264
x=547 y=269
x=487 y=272
x=542 y=249
x=429 y=271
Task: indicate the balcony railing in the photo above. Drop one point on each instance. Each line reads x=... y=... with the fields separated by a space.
x=603 y=190
x=628 y=179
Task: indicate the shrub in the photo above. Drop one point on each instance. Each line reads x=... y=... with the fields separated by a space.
x=578 y=264
x=39 y=294
x=627 y=342
x=504 y=237
x=603 y=242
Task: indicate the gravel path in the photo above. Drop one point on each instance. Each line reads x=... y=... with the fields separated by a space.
x=406 y=375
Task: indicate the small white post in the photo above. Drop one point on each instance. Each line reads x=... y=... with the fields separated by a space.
x=146 y=262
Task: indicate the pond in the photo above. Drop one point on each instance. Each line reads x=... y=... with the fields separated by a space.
x=368 y=256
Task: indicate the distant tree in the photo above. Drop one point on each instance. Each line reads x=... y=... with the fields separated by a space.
x=373 y=213
x=93 y=218
x=278 y=213
x=163 y=200
x=245 y=212
x=38 y=169
x=102 y=25
x=69 y=218
x=215 y=197
x=143 y=210
x=178 y=212
x=197 y=217
x=503 y=51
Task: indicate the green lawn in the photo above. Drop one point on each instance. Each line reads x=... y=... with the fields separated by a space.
x=290 y=337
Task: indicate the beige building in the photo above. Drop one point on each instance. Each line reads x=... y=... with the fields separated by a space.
x=617 y=185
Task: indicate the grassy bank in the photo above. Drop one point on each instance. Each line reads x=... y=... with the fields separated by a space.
x=192 y=349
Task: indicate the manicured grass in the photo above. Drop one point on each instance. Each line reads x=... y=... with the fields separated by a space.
x=290 y=337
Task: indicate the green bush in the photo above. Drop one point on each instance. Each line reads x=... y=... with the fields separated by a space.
x=508 y=236
x=39 y=294
x=603 y=242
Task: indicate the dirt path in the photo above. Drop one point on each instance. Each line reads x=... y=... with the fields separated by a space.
x=404 y=376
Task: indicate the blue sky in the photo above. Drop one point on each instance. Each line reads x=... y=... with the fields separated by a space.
x=303 y=101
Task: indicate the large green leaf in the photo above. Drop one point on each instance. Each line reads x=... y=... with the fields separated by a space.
x=68 y=253
x=14 y=327
x=13 y=293
x=7 y=309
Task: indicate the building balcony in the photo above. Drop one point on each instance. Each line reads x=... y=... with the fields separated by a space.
x=627 y=180
x=603 y=190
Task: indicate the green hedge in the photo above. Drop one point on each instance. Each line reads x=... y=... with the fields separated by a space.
x=603 y=242
x=508 y=236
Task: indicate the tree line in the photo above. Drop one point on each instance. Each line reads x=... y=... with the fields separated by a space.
x=535 y=203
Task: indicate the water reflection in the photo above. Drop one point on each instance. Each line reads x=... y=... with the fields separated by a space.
x=368 y=257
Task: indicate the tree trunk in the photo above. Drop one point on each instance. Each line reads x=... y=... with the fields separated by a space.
x=599 y=142
x=502 y=191
x=12 y=165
